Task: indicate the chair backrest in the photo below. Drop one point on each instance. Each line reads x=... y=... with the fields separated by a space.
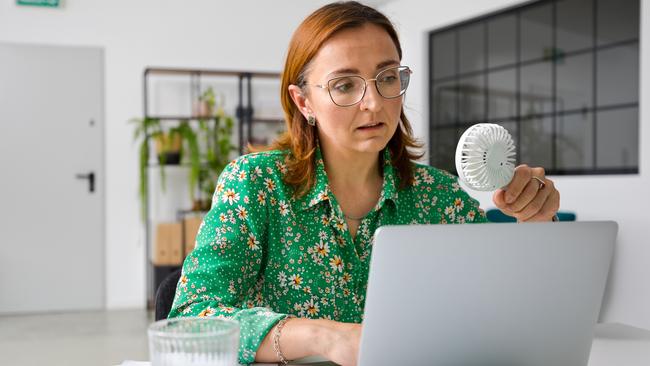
x=165 y=294
x=495 y=215
x=566 y=216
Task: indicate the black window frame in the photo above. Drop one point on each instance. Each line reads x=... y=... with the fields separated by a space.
x=552 y=58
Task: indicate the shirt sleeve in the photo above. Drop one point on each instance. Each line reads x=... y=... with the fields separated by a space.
x=460 y=207
x=222 y=275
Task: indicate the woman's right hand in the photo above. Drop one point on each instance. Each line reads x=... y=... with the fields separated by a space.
x=340 y=343
x=300 y=337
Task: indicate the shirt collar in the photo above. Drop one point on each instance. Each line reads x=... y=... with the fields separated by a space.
x=320 y=191
x=389 y=190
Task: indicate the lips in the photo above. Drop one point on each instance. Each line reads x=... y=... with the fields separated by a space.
x=370 y=125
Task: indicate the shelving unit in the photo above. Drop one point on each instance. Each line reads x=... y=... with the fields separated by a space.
x=246 y=121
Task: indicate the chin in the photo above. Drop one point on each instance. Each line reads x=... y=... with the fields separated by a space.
x=374 y=145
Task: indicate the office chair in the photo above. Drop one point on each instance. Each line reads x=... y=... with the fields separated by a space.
x=495 y=215
x=165 y=294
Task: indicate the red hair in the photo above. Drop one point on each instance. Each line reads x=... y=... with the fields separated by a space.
x=301 y=138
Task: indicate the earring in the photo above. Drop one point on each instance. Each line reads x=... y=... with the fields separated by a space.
x=311 y=120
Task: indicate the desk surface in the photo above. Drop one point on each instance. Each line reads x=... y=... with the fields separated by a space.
x=614 y=344
x=618 y=344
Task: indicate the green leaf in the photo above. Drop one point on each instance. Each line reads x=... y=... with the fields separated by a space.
x=144 y=129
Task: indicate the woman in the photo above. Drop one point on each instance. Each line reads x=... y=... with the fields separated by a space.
x=290 y=229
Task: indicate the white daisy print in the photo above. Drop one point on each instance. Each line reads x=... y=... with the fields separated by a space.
x=207 y=312
x=242 y=176
x=282 y=278
x=283 y=207
x=261 y=197
x=295 y=280
x=269 y=184
x=322 y=248
x=252 y=242
x=336 y=263
x=242 y=213
x=311 y=308
x=459 y=204
x=257 y=172
x=230 y=196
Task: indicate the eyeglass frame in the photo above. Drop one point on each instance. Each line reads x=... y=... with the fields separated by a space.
x=365 y=85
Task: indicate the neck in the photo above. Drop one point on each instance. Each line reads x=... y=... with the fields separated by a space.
x=351 y=169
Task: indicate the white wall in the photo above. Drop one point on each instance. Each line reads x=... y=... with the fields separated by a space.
x=242 y=34
x=624 y=199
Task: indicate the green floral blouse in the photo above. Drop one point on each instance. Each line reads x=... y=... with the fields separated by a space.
x=261 y=253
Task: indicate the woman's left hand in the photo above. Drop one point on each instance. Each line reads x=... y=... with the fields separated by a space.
x=530 y=196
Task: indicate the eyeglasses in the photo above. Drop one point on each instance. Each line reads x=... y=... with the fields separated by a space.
x=346 y=91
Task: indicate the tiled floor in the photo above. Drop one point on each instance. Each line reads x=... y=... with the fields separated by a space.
x=71 y=339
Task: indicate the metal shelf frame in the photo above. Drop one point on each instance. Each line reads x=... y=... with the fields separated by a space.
x=245 y=119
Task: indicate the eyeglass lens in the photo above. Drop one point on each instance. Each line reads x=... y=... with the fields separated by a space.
x=349 y=90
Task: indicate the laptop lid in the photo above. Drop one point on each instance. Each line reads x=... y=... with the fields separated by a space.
x=485 y=294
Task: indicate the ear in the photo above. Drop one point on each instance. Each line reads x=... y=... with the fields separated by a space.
x=300 y=100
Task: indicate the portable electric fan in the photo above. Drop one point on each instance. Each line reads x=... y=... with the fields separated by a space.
x=485 y=157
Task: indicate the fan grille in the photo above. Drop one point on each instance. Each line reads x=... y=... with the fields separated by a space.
x=485 y=157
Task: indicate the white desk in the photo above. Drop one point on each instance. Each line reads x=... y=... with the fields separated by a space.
x=613 y=345
x=620 y=345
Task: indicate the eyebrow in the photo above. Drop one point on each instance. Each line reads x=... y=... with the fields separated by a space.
x=380 y=65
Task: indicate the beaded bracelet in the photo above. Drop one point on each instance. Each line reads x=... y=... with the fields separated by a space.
x=276 y=339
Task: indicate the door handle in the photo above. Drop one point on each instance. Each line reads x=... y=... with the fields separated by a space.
x=91 y=180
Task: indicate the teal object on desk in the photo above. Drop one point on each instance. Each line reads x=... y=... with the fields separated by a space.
x=495 y=215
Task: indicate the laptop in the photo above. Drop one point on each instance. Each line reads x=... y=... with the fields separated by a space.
x=486 y=294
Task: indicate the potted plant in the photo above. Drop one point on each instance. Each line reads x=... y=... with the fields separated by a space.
x=191 y=143
x=206 y=150
x=168 y=146
x=169 y=149
x=217 y=138
x=204 y=106
x=145 y=128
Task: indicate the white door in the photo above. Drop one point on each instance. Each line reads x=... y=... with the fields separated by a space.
x=51 y=147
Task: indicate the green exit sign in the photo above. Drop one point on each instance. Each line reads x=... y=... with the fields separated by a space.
x=50 y=3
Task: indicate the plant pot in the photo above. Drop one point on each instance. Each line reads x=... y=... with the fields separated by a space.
x=202 y=108
x=201 y=204
x=169 y=158
x=168 y=148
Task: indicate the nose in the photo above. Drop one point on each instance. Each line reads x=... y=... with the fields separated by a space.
x=371 y=101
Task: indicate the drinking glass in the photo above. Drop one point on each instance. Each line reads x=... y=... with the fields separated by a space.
x=194 y=341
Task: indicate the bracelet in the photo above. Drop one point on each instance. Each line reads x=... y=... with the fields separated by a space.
x=276 y=339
